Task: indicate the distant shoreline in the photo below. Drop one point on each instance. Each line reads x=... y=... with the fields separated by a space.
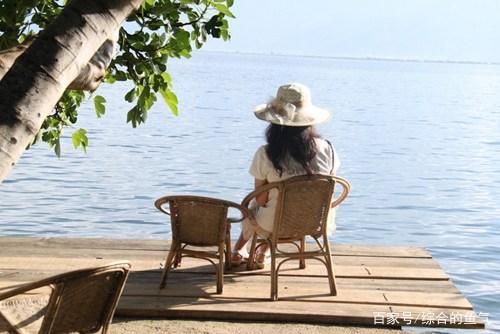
x=381 y=59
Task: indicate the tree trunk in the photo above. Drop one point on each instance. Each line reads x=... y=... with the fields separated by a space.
x=90 y=75
x=39 y=77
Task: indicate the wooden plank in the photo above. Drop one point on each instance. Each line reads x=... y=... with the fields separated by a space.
x=159 y=258
x=449 y=304
x=315 y=268
x=256 y=291
x=372 y=267
x=298 y=291
x=365 y=284
x=406 y=262
x=382 y=251
x=76 y=253
x=305 y=284
x=358 y=272
x=428 y=286
x=7 y=263
x=318 y=312
x=83 y=243
x=28 y=243
x=48 y=263
x=406 y=273
x=426 y=299
x=237 y=309
x=306 y=288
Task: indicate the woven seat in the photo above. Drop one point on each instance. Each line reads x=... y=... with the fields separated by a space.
x=81 y=301
x=199 y=222
x=302 y=210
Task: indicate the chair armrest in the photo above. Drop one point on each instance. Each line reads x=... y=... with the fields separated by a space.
x=265 y=188
x=243 y=210
x=162 y=200
x=20 y=289
x=346 y=187
x=56 y=279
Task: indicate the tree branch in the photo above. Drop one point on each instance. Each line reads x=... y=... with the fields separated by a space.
x=201 y=15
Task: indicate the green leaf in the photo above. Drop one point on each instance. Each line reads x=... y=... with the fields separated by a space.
x=75 y=139
x=130 y=96
x=171 y=100
x=100 y=108
x=166 y=77
x=133 y=116
x=120 y=76
x=79 y=138
x=223 y=9
x=110 y=79
x=57 y=148
x=185 y=53
x=182 y=39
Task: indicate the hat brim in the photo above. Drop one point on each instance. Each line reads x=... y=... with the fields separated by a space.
x=304 y=116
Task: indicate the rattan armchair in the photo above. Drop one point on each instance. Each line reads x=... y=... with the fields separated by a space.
x=81 y=301
x=199 y=222
x=302 y=211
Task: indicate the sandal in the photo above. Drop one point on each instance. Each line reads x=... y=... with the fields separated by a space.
x=238 y=258
x=262 y=259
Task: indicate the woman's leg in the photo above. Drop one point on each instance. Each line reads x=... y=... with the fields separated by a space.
x=240 y=243
x=248 y=229
x=262 y=254
x=240 y=253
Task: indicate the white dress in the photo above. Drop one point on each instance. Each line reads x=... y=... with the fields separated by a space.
x=325 y=162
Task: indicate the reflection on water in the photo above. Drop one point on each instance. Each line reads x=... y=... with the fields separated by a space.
x=419 y=142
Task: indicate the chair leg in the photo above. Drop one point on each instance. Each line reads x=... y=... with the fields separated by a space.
x=329 y=267
x=177 y=259
x=274 y=273
x=174 y=249
x=228 y=252
x=220 y=270
x=7 y=327
x=302 y=261
x=251 y=256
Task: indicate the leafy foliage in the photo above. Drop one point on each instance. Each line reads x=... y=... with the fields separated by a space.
x=99 y=105
x=158 y=31
x=79 y=138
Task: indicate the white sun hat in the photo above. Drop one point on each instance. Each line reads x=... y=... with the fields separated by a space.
x=292 y=106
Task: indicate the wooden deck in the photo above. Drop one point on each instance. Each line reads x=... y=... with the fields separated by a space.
x=378 y=286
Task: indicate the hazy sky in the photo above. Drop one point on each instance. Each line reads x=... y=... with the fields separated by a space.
x=417 y=29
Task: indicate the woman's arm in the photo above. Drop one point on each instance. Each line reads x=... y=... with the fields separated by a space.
x=262 y=198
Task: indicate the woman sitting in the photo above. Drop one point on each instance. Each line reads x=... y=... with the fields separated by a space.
x=293 y=148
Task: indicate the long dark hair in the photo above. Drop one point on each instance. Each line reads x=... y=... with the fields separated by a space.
x=296 y=142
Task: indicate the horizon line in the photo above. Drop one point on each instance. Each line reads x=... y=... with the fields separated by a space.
x=358 y=58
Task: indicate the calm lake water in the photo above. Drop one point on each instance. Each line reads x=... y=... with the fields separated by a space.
x=420 y=143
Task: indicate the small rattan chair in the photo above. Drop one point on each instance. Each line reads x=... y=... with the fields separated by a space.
x=302 y=210
x=81 y=301
x=199 y=222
